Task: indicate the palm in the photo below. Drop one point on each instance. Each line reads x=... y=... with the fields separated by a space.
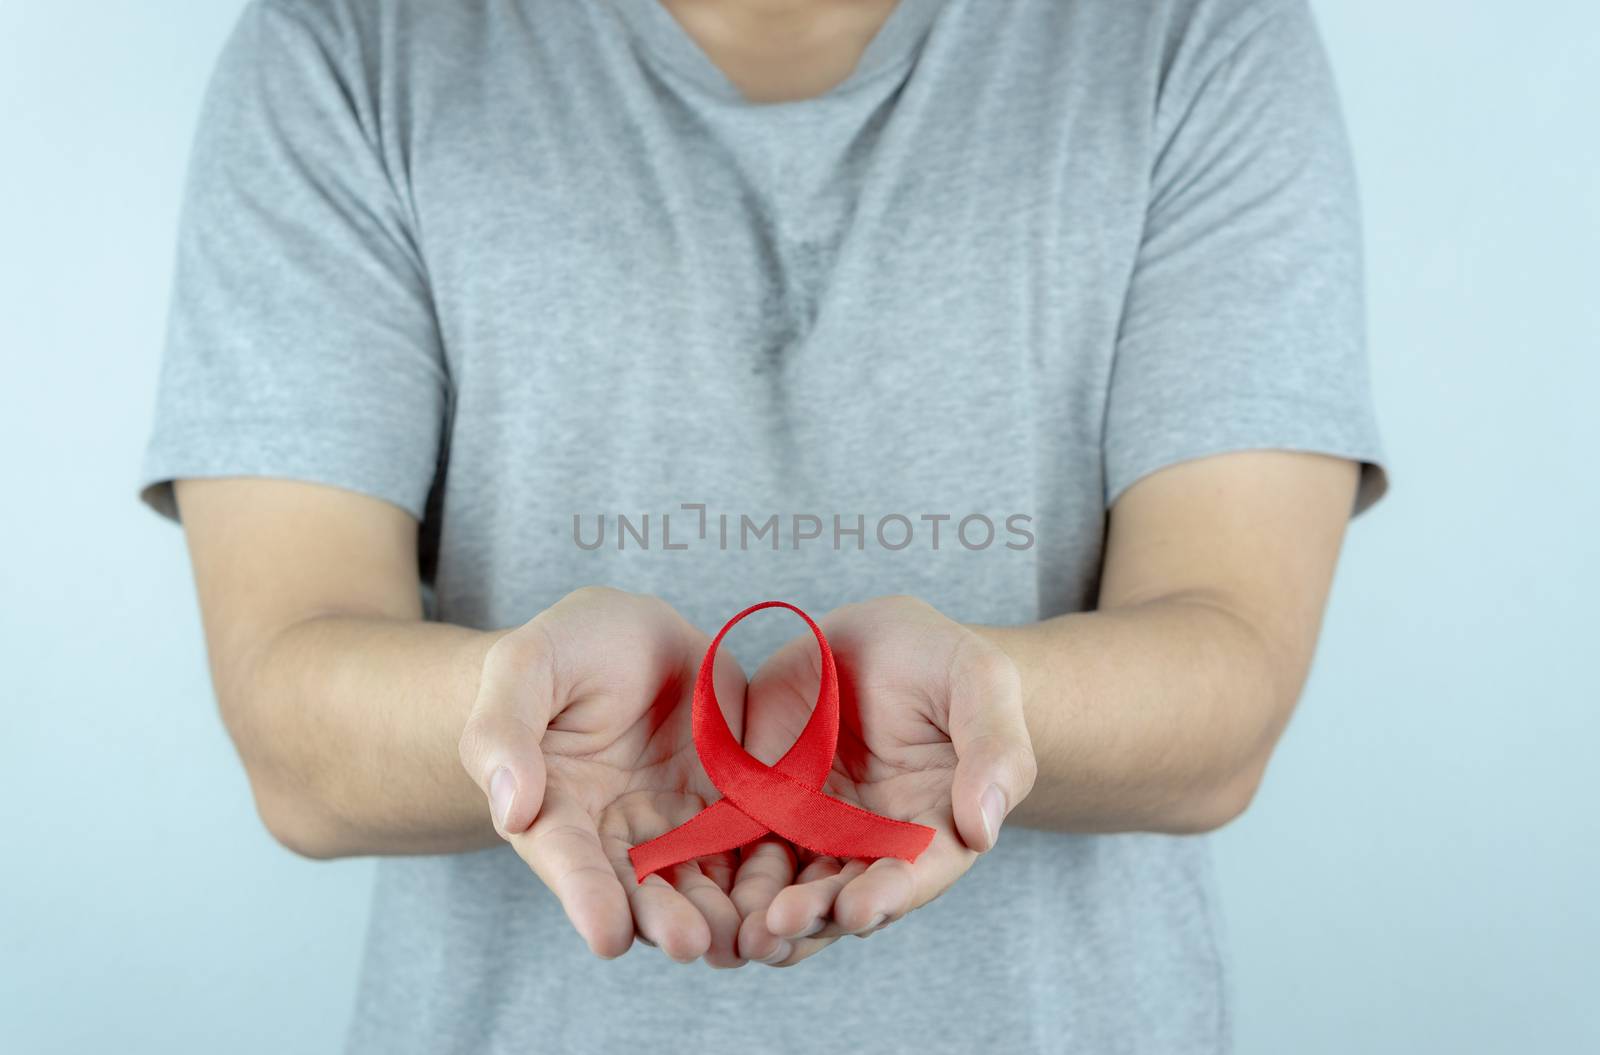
x=634 y=770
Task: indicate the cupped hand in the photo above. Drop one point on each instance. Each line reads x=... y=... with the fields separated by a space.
x=931 y=731
x=581 y=739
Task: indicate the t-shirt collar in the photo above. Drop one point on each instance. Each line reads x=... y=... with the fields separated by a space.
x=663 y=40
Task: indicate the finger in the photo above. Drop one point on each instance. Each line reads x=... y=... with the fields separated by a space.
x=500 y=744
x=938 y=867
x=757 y=942
x=821 y=933
x=891 y=888
x=714 y=906
x=802 y=910
x=720 y=869
x=995 y=766
x=878 y=896
x=766 y=868
x=798 y=949
x=563 y=849
x=662 y=914
x=669 y=920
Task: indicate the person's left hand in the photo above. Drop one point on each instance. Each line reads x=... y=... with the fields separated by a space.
x=931 y=731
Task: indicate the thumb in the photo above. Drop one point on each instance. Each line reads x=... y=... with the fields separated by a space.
x=995 y=766
x=500 y=744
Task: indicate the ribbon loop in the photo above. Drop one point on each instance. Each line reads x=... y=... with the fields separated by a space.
x=786 y=798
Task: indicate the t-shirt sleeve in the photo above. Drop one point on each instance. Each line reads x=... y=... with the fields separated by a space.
x=1243 y=326
x=301 y=340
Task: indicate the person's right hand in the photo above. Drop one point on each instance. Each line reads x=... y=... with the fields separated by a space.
x=581 y=739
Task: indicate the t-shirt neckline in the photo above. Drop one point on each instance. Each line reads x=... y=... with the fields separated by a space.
x=662 y=37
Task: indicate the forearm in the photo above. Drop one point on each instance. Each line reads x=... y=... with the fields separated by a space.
x=349 y=728
x=1154 y=717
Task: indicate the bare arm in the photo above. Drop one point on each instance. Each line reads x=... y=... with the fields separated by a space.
x=1156 y=712
x=346 y=707
x=1159 y=710
x=366 y=730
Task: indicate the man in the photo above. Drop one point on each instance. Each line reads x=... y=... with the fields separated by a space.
x=796 y=296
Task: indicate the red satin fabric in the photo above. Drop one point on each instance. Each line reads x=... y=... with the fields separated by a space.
x=786 y=798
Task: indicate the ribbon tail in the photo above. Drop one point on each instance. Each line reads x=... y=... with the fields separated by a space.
x=716 y=829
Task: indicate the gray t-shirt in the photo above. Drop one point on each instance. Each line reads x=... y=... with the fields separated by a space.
x=518 y=265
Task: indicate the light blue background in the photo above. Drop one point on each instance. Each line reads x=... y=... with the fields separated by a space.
x=1419 y=872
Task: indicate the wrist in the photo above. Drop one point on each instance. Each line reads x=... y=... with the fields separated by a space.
x=1021 y=645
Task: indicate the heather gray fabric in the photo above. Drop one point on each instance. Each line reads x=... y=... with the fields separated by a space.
x=508 y=262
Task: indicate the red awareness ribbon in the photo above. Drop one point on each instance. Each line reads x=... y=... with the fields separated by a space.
x=785 y=799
